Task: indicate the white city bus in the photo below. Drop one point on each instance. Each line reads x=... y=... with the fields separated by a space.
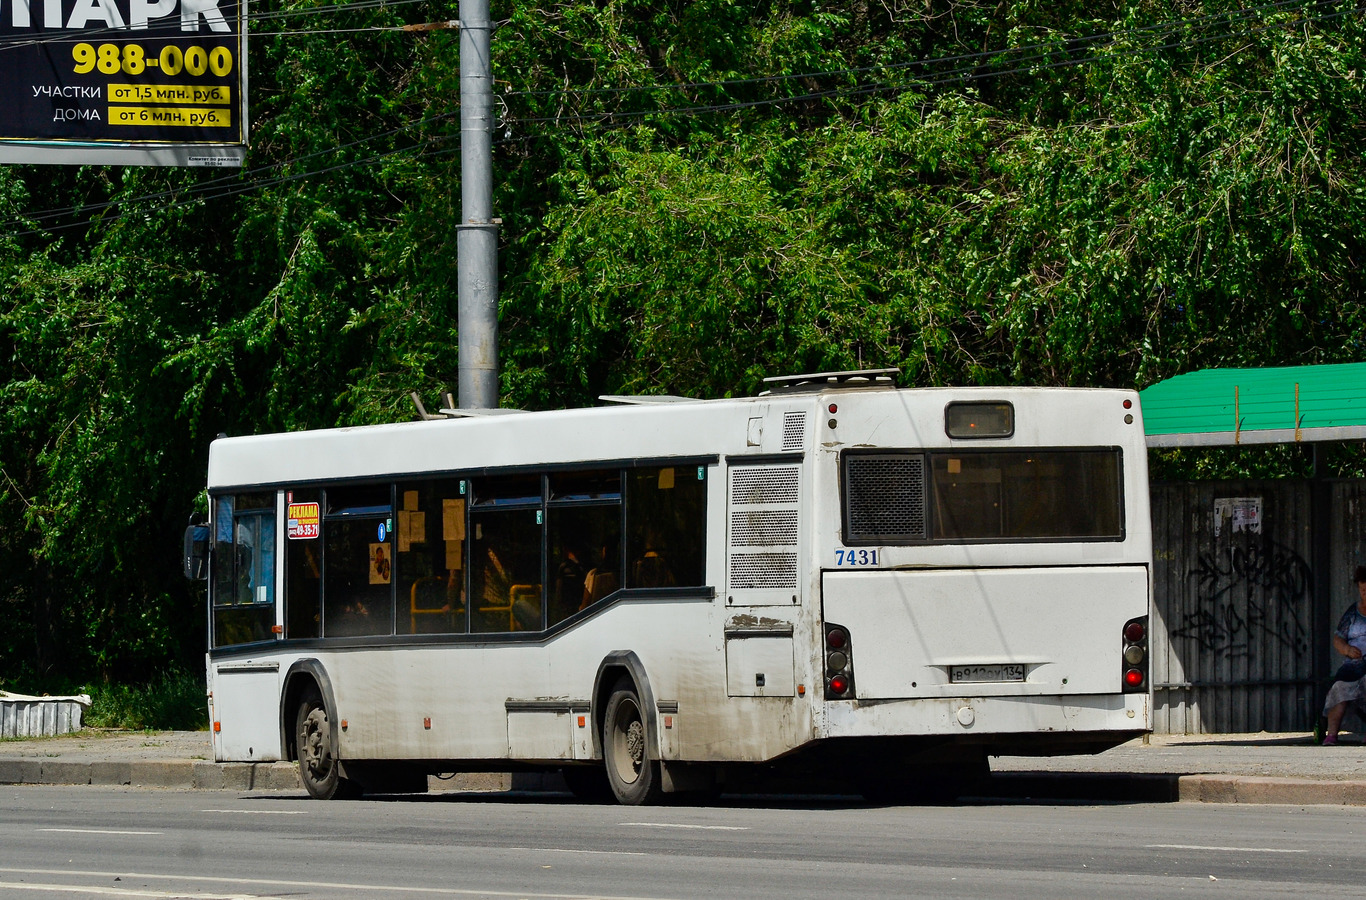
x=660 y=595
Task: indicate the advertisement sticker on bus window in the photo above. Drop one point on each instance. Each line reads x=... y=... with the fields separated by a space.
x=303 y=521
x=379 y=564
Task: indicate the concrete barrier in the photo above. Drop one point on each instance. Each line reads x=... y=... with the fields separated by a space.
x=22 y=716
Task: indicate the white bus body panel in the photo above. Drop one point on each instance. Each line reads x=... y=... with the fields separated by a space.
x=1064 y=625
x=971 y=715
x=245 y=727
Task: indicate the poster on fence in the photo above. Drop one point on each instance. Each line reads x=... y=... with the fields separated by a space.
x=1244 y=513
x=123 y=82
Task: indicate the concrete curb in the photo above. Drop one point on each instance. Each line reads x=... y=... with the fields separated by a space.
x=202 y=775
x=190 y=774
x=1253 y=789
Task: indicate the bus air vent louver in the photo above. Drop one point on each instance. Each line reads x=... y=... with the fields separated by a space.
x=794 y=431
x=763 y=527
x=764 y=484
x=763 y=570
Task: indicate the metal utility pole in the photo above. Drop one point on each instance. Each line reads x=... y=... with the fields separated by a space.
x=477 y=236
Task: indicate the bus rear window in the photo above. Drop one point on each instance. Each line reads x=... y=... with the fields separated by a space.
x=910 y=496
x=1027 y=495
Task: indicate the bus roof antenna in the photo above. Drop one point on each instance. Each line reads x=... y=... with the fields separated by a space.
x=422 y=410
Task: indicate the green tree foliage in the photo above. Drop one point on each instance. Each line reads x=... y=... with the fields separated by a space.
x=695 y=195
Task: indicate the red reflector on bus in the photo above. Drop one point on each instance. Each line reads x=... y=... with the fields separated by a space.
x=1128 y=404
x=1134 y=632
x=1133 y=677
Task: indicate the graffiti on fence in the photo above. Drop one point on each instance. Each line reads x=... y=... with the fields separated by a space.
x=1250 y=596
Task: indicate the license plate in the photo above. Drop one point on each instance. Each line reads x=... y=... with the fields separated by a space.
x=1003 y=672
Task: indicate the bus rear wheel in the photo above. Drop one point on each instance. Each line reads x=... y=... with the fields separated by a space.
x=319 y=769
x=634 y=777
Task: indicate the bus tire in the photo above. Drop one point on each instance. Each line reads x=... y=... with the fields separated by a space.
x=634 y=777
x=319 y=770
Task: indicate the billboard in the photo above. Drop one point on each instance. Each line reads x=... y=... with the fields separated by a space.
x=126 y=82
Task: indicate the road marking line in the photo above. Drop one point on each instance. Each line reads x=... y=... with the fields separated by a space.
x=125 y=892
x=96 y=831
x=565 y=850
x=1222 y=849
x=261 y=812
x=352 y=887
x=677 y=825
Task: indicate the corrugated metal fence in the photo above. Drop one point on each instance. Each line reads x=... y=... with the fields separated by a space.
x=1241 y=638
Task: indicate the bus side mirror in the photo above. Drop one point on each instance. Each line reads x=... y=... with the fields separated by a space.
x=197 y=552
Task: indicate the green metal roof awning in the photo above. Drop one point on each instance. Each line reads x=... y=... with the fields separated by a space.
x=1219 y=407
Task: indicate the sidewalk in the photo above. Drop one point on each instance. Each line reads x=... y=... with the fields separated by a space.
x=1224 y=768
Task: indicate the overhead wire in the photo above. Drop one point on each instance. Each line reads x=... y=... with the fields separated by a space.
x=961 y=74
x=43 y=215
x=256 y=185
x=172 y=28
x=1241 y=14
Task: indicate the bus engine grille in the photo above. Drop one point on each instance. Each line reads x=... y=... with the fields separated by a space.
x=885 y=496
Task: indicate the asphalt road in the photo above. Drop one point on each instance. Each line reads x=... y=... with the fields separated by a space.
x=106 y=842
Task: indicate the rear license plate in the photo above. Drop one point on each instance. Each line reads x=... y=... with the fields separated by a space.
x=1003 y=672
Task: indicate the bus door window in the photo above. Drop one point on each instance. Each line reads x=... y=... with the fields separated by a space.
x=429 y=567
x=303 y=564
x=244 y=568
x=505 y=554
x=666 y=527
x=583 y=539
x=358 y=553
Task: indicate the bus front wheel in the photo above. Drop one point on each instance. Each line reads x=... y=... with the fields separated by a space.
x=633 y=775
x=319 y=769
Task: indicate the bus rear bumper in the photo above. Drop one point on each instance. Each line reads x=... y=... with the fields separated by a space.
x=1037 y=723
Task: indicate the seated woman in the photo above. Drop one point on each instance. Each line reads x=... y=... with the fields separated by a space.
x=1349 y=685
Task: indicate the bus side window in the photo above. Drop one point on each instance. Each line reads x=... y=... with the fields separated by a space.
x=244 y=568
x=429 y=569
x=666 y=527
x=583 y=539
x=358 y=561
x=505 y=555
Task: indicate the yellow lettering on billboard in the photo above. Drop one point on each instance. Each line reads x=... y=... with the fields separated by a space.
x=171 y=94
x=170 y=116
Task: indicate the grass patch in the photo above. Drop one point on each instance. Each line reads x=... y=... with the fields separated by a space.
x=173 y=701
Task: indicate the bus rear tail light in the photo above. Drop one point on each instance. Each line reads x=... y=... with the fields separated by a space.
x=839 y=664
x=1134 y=661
